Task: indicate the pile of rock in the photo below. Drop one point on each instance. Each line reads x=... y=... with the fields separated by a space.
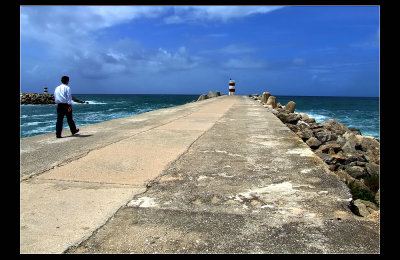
x=36 y=99
x=353 y=157
x=41 y=99
x=209 y=95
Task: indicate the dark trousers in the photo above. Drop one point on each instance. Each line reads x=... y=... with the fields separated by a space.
x=62 y=110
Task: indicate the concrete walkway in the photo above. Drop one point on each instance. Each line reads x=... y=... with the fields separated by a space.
x=222 y=175
x=71 y=186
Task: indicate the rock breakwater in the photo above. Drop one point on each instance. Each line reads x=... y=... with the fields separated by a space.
x=350 y=155
x=209 y=95
x=42 y=99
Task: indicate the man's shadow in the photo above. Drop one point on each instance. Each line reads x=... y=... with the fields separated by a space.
x=77 y=135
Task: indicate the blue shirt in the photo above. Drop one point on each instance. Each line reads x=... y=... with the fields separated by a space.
x=62 y=94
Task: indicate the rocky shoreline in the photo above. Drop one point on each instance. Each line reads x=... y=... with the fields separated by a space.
x=42 y=99
x=350 y=155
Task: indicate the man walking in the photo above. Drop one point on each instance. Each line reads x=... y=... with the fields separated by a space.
x=63 y=99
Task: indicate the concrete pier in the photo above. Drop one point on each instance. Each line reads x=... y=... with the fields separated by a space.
x=222 y=175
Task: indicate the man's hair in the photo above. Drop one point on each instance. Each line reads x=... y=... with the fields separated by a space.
x=65 y=79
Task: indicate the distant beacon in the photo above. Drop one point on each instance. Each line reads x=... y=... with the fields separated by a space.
x=45 y=90
x=231 y=87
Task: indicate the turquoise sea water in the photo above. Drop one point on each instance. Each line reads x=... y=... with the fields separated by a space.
x=358 y=112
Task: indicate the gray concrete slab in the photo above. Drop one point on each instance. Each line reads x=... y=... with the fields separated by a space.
x=247 y=185
x=222 y=175
x=41 y=153
x=72 y=186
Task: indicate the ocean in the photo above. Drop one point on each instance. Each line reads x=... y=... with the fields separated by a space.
x=358 y=112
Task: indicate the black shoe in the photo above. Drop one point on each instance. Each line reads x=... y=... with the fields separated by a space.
x=77 y=130
x=58 y=136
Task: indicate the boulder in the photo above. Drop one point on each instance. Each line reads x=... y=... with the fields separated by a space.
x=356 y=172
x=354 y=157
x=336 y=127
x=327 y=158
x=372 y=169
x=305 y=134
x=217 y=93
x=271 y=101
x=338 y=159
x=351 y=142
x=368 y=142
x=281 y=115
x=303 y=124
x=202 y=97
x=210 y=94
x=293 y=118
x=324 y=136
x=354 y=130
x=331 y=147
x=265 y=97
x=313 y=142
x=360 y=208
x=78 y=101
x=371 y=147
x=304 y=116
x=309 y=120
x=274 y=111
x=372 y=182
x=294 y=128
x=290 y=106
x=364 y=208
x=330 y=159
x=288 y=118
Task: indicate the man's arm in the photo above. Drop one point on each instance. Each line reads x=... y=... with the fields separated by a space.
x=69 y=99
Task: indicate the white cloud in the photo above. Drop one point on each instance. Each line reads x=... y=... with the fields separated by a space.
x=217 y=13
x=162 y=60
x=108 y=63
x=112 y=15
x=116 y=55
x=68 y=35
x=55 y=23
x=173 y=19
x=44 y=23
x=65 y=27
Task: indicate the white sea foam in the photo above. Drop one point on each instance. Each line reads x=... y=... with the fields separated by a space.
x=41 y=130
x=32 y=123
x=44 y=115
x=93 y=102
x=319 y=118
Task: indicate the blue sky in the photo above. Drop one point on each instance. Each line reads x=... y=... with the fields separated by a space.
x=289 y=50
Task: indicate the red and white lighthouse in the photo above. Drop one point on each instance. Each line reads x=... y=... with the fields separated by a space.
x=231 y=87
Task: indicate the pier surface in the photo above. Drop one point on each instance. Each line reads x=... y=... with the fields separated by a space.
x=222 y=175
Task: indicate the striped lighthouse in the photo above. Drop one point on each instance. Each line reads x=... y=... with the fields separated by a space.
x=231 y=87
